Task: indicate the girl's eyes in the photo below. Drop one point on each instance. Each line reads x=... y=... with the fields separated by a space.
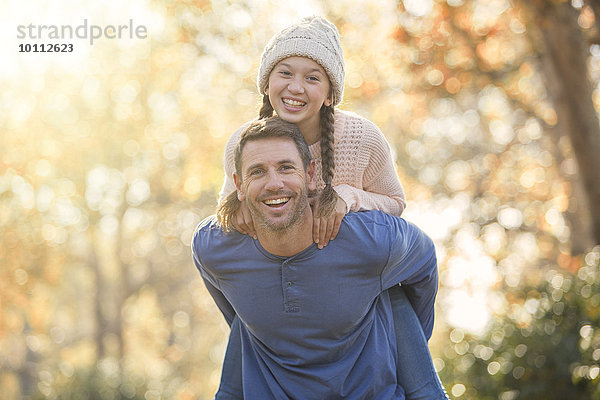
x=310 y=78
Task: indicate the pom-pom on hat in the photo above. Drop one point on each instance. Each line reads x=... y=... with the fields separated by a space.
x=315 y=38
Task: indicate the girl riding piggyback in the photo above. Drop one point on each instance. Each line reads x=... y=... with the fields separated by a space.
x=301 y=79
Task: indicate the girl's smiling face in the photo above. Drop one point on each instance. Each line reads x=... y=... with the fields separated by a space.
x=297 y=89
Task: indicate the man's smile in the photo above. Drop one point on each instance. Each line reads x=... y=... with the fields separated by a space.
x=276 y=202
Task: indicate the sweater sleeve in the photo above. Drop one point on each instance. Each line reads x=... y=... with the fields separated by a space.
x=229 y=162
x=381 y=187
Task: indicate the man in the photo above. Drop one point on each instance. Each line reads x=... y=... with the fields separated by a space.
x=315 y=323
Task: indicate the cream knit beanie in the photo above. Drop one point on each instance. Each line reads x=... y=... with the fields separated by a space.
x=315 y=38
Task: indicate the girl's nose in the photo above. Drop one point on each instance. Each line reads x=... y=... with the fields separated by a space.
x=295 y=86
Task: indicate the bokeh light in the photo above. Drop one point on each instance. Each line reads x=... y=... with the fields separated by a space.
x=112 y=154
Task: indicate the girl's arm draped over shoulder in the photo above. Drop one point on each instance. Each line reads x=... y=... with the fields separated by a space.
x=366 y=176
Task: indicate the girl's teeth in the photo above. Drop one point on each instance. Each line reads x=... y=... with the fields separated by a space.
x=293 y=102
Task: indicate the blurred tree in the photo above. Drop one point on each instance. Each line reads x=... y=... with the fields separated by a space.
x=105 y=172
x=514 y=70
x=546 y=347
x=557 y=27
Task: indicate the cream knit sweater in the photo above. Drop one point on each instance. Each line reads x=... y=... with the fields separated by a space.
x=365 y=176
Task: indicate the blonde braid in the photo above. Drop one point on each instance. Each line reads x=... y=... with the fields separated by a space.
x=328 y=197
x=266 y=110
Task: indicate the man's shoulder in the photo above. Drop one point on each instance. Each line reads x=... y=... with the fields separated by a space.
x=211 y=246
x=366 y=236
x=209 y=233
x=371 y=217
x=372 y=223
x=378 y=225
x=208 y=224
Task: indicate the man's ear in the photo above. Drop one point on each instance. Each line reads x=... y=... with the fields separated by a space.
x=311 y=180
x=238 y=185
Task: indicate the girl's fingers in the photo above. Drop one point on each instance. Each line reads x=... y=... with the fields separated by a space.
x=323 y=238
x=316 y=229
x=336 y=225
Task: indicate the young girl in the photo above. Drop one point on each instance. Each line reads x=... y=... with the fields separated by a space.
x=301 y=78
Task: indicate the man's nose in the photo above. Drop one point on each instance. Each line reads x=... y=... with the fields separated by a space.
x=274 y=181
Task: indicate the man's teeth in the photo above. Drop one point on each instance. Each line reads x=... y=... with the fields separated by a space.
x=294 y=103
x=275 y=202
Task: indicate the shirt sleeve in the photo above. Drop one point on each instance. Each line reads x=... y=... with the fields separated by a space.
x=210 y=282
x=413 y=264
x=222 y=303
x=381 y=187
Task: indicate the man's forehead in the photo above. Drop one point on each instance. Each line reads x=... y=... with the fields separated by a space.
x=270 y=150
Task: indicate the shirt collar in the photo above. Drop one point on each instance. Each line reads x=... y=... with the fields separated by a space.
x=304 y=254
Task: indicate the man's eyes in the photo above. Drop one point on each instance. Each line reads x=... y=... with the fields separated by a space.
x=260 y=171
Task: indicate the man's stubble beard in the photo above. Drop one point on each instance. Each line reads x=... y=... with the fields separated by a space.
x=297 y=214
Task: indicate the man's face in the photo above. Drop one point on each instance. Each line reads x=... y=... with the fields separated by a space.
x=274 y=182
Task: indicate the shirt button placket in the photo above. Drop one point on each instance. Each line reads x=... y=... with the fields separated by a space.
x=288 y=288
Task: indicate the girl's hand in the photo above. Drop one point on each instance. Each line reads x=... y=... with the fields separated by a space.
x=242 y=221
x=327 y=228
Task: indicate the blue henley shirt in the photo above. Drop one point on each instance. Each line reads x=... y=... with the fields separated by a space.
x=318 y=325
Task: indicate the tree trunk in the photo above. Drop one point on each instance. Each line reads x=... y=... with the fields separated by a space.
x=565 y=66
x=108 y=300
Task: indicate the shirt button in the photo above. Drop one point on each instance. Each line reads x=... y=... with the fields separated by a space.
x=289 y=283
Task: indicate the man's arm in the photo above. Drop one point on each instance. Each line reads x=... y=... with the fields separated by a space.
x=223 y=304
x=422 y=298
x=209 y=281
x=412 y=262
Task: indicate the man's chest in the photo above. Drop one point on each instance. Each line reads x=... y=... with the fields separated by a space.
x=319 y=295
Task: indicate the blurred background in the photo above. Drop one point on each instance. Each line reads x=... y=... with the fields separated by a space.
x=112 y=153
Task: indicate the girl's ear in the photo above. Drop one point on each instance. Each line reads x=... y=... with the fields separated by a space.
x=329 y=100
